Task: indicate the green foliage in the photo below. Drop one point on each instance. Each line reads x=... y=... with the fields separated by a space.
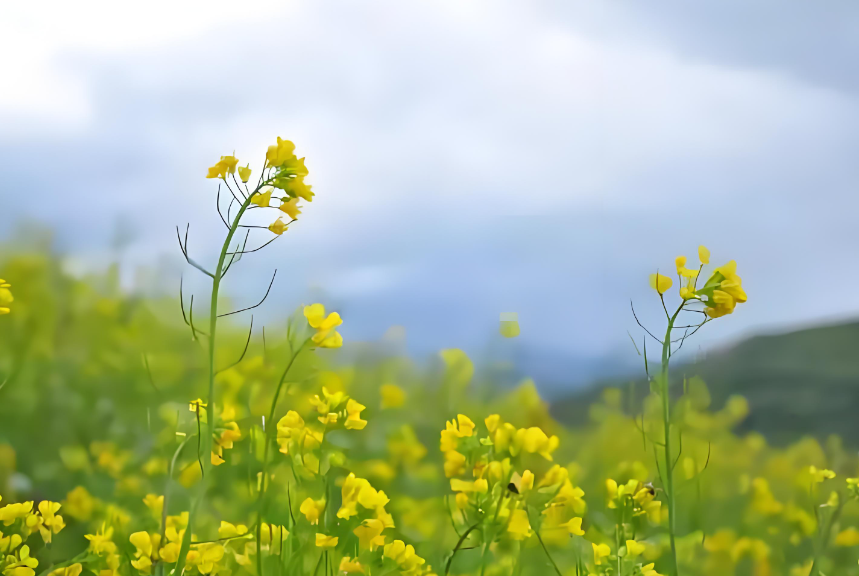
x=95 y=407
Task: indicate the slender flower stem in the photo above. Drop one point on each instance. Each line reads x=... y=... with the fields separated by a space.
x=459 y=544
x=267 y=437
x=546 y=551
x=210 y=416
x=666 y=416
x=820 y=546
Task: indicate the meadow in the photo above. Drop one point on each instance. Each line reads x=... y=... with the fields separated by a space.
x=160 y=436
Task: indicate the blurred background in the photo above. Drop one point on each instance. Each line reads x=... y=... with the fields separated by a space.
x=469 y=159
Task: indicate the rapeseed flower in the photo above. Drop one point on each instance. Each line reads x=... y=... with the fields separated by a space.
x=325 y=541
x=326 y=335
x=5 y=297
x=226 y=165
x=290 y=208
x=262 y=199
x=312 y=509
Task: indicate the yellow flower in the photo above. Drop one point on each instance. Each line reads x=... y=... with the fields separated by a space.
x=100 y=543
x=392 y=396
x=634 y=548
x=228 y=530
x=519 y=527
x=349 y=566
x=600 y=551
x=262 y=199
x=723 y=291
x=312 y=509
x=245 y=173
x=12 y=512
x=660 y=283
x=574 y=526
x=647 y=570
x=79 y=504
x=353 y=420
x=21 y=564
x=155 y=504
x=5 y=297
x=296 y=188
x=819 y=476
x=326 y=336
x=278 y=227
x=51 y=522
x=703 y=254
x=194 y=405
x=369 y=534
x=170 y=552
x=462 y=427
x=279 y=153
x=848 y=537
x=324 y=541
x=72 y=570
x=226 y=165
x=290 y=207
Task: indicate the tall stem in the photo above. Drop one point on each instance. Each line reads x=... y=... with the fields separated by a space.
x=210 y=399
x=666 y=420
x=268 y=440
x=820 y=546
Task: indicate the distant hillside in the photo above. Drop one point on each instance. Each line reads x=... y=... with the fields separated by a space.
x=798 y=383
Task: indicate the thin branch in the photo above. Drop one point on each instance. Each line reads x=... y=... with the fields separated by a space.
x=255 y=249
x=245 y=351
x=149 y=373
x=185 y=253
x=238 y=186
x=270 y=284
x=233 y=257
x=642 y=325
x=233 y=193
x=185 y=318
x=218 y=206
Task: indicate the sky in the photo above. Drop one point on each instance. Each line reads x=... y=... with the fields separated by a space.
x=469 y=157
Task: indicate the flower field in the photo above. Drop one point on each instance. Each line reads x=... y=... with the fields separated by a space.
x=144 y=436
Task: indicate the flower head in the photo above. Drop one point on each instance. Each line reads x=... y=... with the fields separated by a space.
x=278 y=227
x=290 y=208
x=660 y=283
x=325 y=541
x=226 y=165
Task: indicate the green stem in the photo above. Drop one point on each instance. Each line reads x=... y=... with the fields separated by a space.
x=458 y=546
x=210 y=400
x=268 y=438
x=666 y=416
x=546 y=551
x=824 y=539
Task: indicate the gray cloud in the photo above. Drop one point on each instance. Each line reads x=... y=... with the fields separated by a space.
x=474 y=159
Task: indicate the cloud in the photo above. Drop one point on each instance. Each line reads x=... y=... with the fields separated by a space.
x=469 y=158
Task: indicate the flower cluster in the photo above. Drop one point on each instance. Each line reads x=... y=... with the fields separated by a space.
x=283 y=171
x=227 y=430
x=720 y=294
x=496 y=496
x=19 y=522
x=304 y=442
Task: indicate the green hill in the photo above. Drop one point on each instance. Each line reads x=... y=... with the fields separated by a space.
x=799 y=383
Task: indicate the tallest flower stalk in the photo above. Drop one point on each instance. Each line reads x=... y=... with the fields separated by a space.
x=282 y=179
x=717 y=297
